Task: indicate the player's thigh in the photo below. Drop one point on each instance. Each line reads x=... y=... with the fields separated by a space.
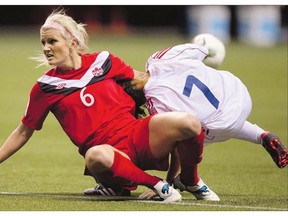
x=166 y=129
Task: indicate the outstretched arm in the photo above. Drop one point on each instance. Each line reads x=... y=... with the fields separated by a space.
x=15 y=141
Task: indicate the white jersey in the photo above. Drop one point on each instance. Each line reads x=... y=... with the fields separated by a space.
x=180 y=81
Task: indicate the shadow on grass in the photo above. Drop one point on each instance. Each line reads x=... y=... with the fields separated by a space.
x=70 y=196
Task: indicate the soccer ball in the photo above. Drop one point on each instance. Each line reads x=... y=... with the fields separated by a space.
x=215 y=47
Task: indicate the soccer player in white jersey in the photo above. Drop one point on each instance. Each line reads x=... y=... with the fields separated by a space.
x=178 y=80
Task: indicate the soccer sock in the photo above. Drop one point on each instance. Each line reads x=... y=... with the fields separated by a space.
x=190 y=154
x=250 y=132
x=124 y=168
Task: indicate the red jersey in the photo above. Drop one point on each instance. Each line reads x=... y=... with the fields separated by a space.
x=88 y=103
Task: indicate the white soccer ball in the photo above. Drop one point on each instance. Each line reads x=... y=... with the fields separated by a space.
x=215 y=47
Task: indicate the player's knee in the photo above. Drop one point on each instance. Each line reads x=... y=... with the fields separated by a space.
x=99 y=158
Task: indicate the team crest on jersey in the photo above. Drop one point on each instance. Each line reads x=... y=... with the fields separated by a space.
x=60 y=86
x=97 y=71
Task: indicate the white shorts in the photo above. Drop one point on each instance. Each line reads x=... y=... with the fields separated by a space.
x=229 y=120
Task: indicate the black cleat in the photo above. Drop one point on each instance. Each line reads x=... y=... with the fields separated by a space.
x=100 y=190
x=275 y=148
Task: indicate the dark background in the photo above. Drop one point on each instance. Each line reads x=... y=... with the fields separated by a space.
x=164 y=16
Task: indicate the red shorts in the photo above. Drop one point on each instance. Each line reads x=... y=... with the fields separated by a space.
x=134 y=141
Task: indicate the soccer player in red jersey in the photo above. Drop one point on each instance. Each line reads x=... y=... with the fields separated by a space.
x=97 y=115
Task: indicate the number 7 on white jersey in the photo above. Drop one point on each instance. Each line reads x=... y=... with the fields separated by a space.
x=190 y=81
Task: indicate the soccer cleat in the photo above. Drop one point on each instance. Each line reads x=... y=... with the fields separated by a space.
x=275 y=148
x=100 y=190
x=167 y=192
x=201 y=191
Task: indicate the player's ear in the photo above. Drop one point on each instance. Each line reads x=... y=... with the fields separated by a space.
x=73 y=43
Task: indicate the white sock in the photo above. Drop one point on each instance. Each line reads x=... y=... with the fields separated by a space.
x=250 y=132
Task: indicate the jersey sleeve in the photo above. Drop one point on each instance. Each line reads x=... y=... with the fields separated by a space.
x=37 y=109
x=119 y=69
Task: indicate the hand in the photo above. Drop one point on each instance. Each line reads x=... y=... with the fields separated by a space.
x=148 y=195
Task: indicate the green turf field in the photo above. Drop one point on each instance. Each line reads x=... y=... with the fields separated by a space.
x=47 y=173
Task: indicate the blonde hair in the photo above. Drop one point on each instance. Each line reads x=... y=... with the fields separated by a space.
x=69 y=29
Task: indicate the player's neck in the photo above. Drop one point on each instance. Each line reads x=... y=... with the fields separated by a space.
x=73 y=63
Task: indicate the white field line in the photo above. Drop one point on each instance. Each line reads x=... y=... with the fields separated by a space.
x=215 y=205
x=134 y=199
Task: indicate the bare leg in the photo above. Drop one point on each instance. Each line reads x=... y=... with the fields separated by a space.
x=164 y=135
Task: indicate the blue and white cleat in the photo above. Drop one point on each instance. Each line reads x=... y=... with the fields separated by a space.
x=167 y=192
x=201 y=191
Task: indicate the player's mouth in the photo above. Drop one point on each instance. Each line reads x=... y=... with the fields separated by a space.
x=49 y=56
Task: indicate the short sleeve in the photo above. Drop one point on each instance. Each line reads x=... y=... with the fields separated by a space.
x=37 y=109
x=119 y=69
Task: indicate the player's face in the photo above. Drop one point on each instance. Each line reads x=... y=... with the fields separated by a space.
x=55 y=47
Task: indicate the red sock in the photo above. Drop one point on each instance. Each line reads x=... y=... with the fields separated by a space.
x=190 y=153
x=124 y=168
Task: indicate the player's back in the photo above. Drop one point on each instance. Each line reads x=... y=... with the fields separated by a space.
x=183 y=84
